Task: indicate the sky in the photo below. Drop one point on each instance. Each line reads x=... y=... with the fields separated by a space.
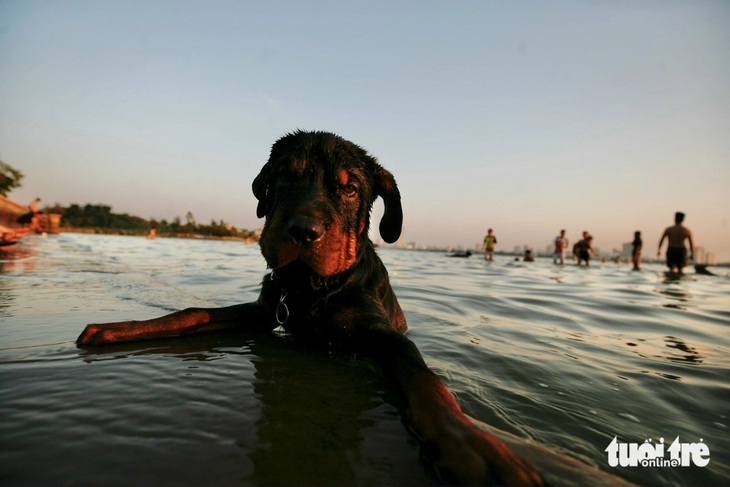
x=522 y=116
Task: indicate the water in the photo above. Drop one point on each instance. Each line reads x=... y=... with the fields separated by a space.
x=567 y=356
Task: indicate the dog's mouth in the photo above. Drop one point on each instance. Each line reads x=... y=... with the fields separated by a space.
x=286 y=254
x=325 y=257
x=297 y=275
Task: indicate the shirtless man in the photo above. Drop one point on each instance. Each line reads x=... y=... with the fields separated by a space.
x=30 y=219
x=561 y=243
x=584 y=248
x=676 y=252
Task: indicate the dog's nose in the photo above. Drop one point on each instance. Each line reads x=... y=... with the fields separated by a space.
x=305 y=230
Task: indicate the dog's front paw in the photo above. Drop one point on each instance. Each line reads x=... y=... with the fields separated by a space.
x=103 y=333
x=92 y=335
x=467 y=455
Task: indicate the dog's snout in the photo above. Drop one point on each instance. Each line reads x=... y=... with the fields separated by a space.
x=305 y=230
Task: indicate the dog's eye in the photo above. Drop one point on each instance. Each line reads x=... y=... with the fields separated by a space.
x=349 y=190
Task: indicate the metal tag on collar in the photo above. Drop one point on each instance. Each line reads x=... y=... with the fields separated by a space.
x=282 y=310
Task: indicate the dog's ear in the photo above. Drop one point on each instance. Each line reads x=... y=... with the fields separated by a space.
x=392 y=221
x=263 y=184
x=260 y=188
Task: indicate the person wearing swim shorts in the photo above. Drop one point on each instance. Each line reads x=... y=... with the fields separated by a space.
x=583 y=249
x=676 y=251
x=30 y=219
x=561 y=243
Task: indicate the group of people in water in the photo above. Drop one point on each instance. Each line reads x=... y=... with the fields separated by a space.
x=675 y=235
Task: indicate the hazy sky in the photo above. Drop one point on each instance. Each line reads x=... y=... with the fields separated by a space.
x=526 y=117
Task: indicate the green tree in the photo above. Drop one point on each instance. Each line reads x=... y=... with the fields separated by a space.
x=190 y=219
x=101 y=216
x=175 y=225
x=9 y=178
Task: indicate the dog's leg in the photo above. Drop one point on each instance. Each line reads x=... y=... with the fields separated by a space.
x=461 y=452
x=187 y=321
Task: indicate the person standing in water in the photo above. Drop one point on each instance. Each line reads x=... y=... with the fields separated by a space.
x=490 y=241
x=636 y=251
x=561 y=244
x=676 y=251
x=583 y=249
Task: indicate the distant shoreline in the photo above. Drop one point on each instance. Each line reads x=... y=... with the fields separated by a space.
x=250 y=240
x=143 y=233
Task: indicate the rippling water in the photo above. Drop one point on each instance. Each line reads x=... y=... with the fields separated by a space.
x=570 y=357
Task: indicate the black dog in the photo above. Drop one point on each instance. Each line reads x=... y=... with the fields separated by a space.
x=328 y=286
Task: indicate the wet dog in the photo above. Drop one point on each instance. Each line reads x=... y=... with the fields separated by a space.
x=328 y=286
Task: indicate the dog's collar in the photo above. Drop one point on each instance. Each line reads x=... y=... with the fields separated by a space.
x=282 y=310
x=281 y=313
x=317 y=291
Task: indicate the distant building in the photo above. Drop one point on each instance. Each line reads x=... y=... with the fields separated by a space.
x=702 y=256
x=626 y=250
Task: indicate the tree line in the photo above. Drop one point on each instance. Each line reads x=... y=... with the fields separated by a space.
x=101 y=219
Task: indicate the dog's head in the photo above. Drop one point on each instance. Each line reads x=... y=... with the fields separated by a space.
x=316 y=192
